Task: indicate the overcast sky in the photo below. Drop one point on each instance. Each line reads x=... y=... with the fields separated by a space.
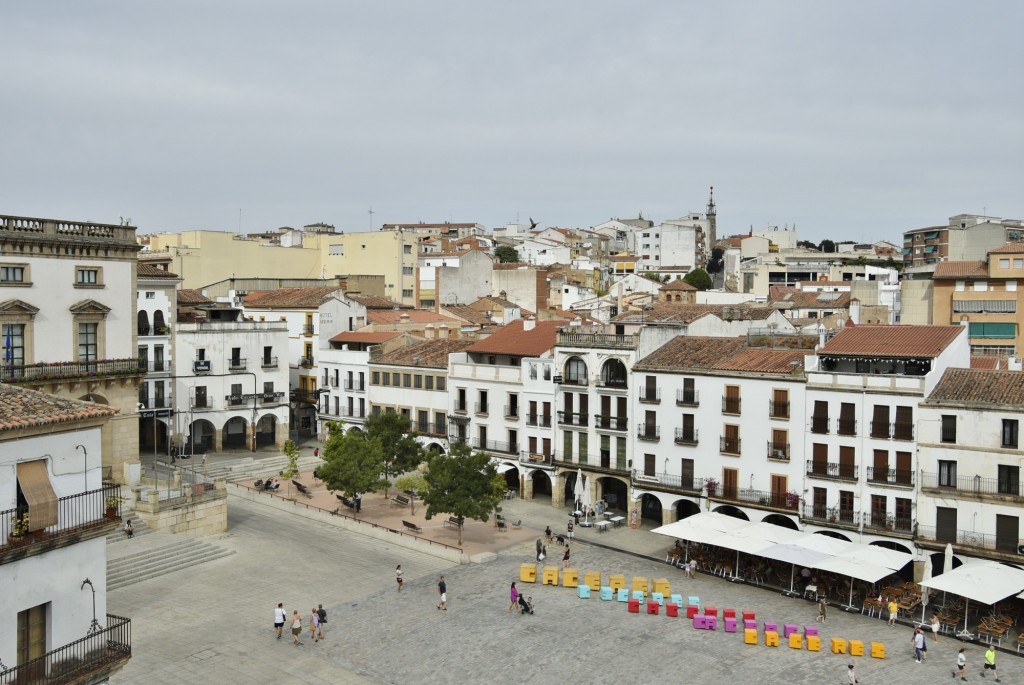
x=852 y=120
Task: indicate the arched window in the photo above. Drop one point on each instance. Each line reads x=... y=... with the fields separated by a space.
x=143 y=323
x=613 y=374
x=576 y=371
x=158 y=323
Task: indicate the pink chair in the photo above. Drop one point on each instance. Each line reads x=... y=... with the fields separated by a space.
x=711 y=622
x=810 y=630
x=788 y=629
x=771 y=626
x=749 y=624
x=730 y=624
x=700 y=622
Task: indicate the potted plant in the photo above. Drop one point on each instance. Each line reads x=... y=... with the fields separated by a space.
x=832 y=513
x=19 y=528
x=112 y=504
x=792 y=500
x=711 y=485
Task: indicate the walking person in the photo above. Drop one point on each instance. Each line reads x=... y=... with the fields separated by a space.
x=296 y=627
x=935 y=627
x=442 y=589
x=314 y=624
x=565 y=558
x=918 y=641
x=961 y=664
x=279 y=619
x=547 y=533
x=540 y=549
x=570 y=535
x=851 y=673
x=822 y=610
x=322 y=615
x=398 y=577
x=894 y=610
x=990 y=663
x=513 y=597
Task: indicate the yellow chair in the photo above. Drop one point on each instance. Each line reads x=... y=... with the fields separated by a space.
x=616 y=581
x=877 y=650
x=813 y=643
x=856 y=648
x=528 y=573
x=750 y=636
x=592 y=579
x=796 y=641
x=550 y=575
x=663 y=586
x=640 y=583
x=838 y=645
x=771 y=638
x=570 y=577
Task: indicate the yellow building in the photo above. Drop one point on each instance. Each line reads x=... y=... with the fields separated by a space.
x=984 y=295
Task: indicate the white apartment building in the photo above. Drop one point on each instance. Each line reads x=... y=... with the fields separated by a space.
x=230 y=382
x=157 y=307
x=343 y=357
x=503 y=402
x=67 y=321
x=54 y=519
x=677 y=242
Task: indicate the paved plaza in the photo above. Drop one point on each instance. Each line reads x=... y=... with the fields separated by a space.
x=213 y=624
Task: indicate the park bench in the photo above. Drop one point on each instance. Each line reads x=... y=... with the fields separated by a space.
x=454 y=521
x=302 y=488
x=401 y=500
x=412 y=526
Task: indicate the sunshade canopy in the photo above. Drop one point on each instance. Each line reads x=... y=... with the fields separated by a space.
x=987 y=582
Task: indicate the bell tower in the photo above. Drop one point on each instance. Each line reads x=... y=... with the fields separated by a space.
x=712 y=216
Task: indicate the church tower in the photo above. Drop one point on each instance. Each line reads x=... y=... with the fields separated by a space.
x=712 y=216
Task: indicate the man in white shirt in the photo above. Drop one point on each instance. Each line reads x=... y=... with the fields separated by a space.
x=279 y=618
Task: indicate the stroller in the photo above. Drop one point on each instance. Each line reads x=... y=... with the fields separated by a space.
x=525 y=605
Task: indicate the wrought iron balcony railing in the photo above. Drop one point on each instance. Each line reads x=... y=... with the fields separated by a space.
x=687 y=436
x=831 y=470
x=65 y=371
x=99 y=653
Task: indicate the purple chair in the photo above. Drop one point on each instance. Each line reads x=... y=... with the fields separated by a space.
x=700 y=622
x=711 y=622
x=730 y=624
x=771 y=626
x=749 y=624
x=810 y=630
x=788 y=629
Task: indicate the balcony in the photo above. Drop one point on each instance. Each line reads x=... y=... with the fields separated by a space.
x=268 y=363
x=305 y=396
x=729 y=446
x=789 y=501
x=648 y=432
x=967 y=539
x=612 y=384
x=730 y=405
x=597 y=340
x=79 y=517
x=883 y=523
x=234 y=400
x=330 y=382
x=236 y=364
x=778 y=410
x=832 y=470
x=480 y=408
x=650 y=395
x=687 y=398
x=461 y=408
x=202 y=366
x=427 y=428
x=543 y=420
x=306 y=362
x=512 y=412
x=667 y=481
x=610 y=423
x=686 y=436
x=973 y=486
x=571 y=380
x=160 y=366
x=71 y=371
x=154 y=402
x=307 y=329
x=887 y=476
x=903 y=431
x=819 y=425
x=354 y=386
x=568 y=418
x=778 y=451
x=536 y=459
x=147 y=331
x=833 y=516
x=496 y=446
x=487 y=372
x=846 y=426
x=90 y=659
x=602 y=463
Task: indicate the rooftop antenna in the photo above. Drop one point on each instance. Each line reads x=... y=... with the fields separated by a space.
x=239 y=220
x=371 y=217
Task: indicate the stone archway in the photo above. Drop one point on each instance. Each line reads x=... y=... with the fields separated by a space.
x=202 y=437
x=511 y=476
x=686 y=508
x=266 y=430
x=539 y=485
x=614 y=492
x=153 y=436
x=650 y=508
x=781 y=520
x=833 y=534
x=939 y=563
x=235 y=434
x=730 y=510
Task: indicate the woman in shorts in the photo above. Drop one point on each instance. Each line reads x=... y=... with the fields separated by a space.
x=398 y=576
x=296 y=627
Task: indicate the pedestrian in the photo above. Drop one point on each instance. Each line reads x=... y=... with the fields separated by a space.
x=296 y=627
x=894 y=610
x=442 y=589
x=359 y=502
x=935 y=627
x=565 y=558
x=990 y=663
x=961 y=664
x=129 y=530
x=398 y=577
x=918 y=641
x=547 y=533
x=314 y=624
x=822 y=609
x=513 y=596
x=540 y=549
x=279 y=618
x=570 y=536
x=322 y=615
x=851 y=673
x=316 y=451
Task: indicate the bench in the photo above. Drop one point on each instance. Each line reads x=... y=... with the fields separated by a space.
x=412 y=526
x=454 y=521
x=302 y=488
x=502 y=527
x=346 y=501
x=516 y=524
x=401 y=500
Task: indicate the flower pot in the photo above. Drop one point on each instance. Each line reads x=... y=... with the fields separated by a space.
x=111 y=512
x=15 y=540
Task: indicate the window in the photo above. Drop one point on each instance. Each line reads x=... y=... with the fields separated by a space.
x=947 y=474
x=32 y=632
x=87 y=342
x=11 y=274
x=980 y=286
x=1007 y=533
x=1009 y=480
x=407 y=271
x=407 y=292
x=417 y=381
x=88 y=276
x=396 y=379
x=375 y=378
x=385 y=378
x=406 y=249
x=440 y=383
x=533 y=372
x=547 y=372
x=1004 y=263
x=948 y=428
x=406 y=380
x=1018 y=263
x=945 y=524
x=13 y=342
x=576 y=371
x=1009 y=433
x=428 y=382
x=960 y=286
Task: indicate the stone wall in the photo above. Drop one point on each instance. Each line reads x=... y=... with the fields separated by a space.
x=195 y=515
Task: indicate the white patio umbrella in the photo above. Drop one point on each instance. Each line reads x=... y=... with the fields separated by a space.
x=587 y=503
x=947 y=560
x=926 y=574
x=577 y=490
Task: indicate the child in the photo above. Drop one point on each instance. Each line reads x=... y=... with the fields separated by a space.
x=129 y=530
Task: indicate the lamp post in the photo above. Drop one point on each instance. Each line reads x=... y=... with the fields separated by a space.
x=95 y=626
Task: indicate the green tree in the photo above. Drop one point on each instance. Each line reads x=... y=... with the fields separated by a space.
x=401 y=451
x=506 y=253
x=699 y=279
x=412 y=482
x=353 y=463
x=462 y=483
x=806 y=244
x=291 y=450
x=827 y=246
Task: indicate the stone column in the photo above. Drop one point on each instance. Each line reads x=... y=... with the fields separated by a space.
x=280 y=433
x=218 y=439
x=557 y=491
x=527 y=488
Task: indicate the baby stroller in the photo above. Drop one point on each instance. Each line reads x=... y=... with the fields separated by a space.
x=525 y=605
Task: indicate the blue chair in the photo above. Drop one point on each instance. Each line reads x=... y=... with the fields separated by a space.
x=658 y=597
x=694 y=601
x=623 y=595
x=677 y=599
x=607 y=594
x=583 y=591
x=639 y=595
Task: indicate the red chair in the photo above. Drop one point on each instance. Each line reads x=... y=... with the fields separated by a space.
x=749 y=616
x=692 y=610
x=672 y=610
x=634 y=606
x=652 y=608
x=711 y=611
x=728 y=613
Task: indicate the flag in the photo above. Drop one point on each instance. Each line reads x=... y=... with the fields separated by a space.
x=9 y=345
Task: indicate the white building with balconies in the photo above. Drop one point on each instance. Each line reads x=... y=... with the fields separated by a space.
x=156 y=305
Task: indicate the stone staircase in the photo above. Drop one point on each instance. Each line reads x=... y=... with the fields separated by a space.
x=247 y=468
x=178 y=555
x=138 y=525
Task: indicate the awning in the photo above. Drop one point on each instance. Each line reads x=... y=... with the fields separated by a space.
x=35 y=485
x=856 y=568
x=793 y=554
x=987 y=582
x=707 y=527
x=880 y=556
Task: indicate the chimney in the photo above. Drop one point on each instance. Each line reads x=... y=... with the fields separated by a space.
x=1013 y=364
x=529 y=323
x=855 y=310
x=403 y=318
x=428 y=331
x=442 y=332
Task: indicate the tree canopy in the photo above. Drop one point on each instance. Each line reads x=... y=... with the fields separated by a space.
x=397 y=440
x=827 y=246
x=462 y=483
x=353 y=463
x=506 y=253
x=699 y=279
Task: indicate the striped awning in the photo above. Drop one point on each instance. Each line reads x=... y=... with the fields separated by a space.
x=984 y=306
x=34 y=481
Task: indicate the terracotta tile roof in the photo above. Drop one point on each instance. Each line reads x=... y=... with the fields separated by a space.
x=690 y=352
x=415 y=316
x=21 y=408
x=623 y=258
x=290 y=298
x=192 y=296
x=814 y=300
x=984 y=362
x=464 y=311
x=960 y=270
x=678 y=284
x=375 y=302
x=497 y=300
x=1016 y=247
x=513 y=340
x=788 y=362
x=980 y=386
x=428 y=354
x=150 y=271
x=665 y=312
x=891 y=341
x=367 y=337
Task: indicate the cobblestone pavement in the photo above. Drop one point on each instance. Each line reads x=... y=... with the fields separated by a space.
x=214 y=627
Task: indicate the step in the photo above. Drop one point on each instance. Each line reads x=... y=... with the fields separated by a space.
x=139 y=526
x=183 y=564
x=173 y=557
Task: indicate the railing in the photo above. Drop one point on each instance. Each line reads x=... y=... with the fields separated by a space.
x=687 y=437
x=537 y=458
x=158 y=367
x=778 y=410
x=973 y=485
x=819 y=425
x=568 y=418
x=481 y=407
x=776 y=500
x=834 y=515
x=729 y=445
x=947 y=435
x=461 y=407
x=846 y=426
x=884 y=522
x=890 y=476
x=307 y=396
x=903 y=431
x=306 y=362
x=685 y=398
x=307 y=329
x=964 y=538
x=236 y=364
x=650 y=395
x=59 y=371
x=831 y=470
x=512 y=412
x=31 y=226
x=74 y=513
x=778 y=451
x=496 y=446
x=145 y=331
x=78 y=661
x=352 y=386
x=268 y=362
x=155 y=402
x=611 y=423
x=543 y=420
x=571 y=380
x=612 y=383
x=881 y=429
x=730 y=405
x=668 y=480
x=427 y=428
x=607 y=340
x=330 y=382
x=648 y=432
x=233 y=400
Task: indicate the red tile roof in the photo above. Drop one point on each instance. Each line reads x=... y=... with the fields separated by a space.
x=984 y=362
x=664 y=312
x=386 y=316
x=192 y=296
x=290 y=298
x=428 y=354
x=892 y=341
x=1016 y=247
x=22 y=408
x=150 y=271
x=976 y=386
x=945 y=270
x=800 y=299
x=765 y=361
x=464 y=311
x=513 y=340
x=367 y=337
x=690 y=352
x=376 y=302
x=678 y=284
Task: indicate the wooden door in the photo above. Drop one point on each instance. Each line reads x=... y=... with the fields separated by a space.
x=881 y=467
x=847 y=462
x=904 y=470
x=730 y=483
x=649 y=465
x=779 y=491
x=686 y=473
x=819 y=458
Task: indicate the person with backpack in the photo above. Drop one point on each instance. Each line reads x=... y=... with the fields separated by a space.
x=322 y=615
